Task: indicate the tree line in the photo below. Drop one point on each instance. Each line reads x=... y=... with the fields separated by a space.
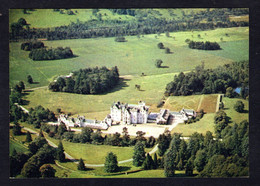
x=145 y=23
x=87 y=81
x=207 y=81
x=210 y=157
x=204 y=46
x=30 y=45
x=87 y=135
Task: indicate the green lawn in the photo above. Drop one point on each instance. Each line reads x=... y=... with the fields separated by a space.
x=132 y=58
x=205 y=124
x=234 y=115
x=98 y=106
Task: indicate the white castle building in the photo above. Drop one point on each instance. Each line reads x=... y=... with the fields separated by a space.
x=129 y=113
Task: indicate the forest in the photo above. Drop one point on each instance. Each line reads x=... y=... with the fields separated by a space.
x=87 y=81
x=207 y=81
x=51 y=54
x=204 y=46
x=143 y=23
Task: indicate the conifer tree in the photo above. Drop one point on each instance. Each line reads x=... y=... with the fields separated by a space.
x=155 y=161
x=81 y=165
x=60 y=153
x=111 y=163
x=28 y=137
x=148 y=163
x=139 y=154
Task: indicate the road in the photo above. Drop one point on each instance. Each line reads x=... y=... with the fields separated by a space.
x=86 y=164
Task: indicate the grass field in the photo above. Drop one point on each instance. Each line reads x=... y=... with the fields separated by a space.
x=195 y=102
x=139 y=53
x=152 y=89
x=19 y=147
x=95 y=154
x=40 y=18
x=234 y=115
x=205 y=124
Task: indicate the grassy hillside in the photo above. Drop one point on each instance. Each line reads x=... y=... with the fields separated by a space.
x=132 y=58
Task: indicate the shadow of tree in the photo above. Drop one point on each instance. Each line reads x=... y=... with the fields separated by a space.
x=121 y=85
x=164 y=66
x=123 y=168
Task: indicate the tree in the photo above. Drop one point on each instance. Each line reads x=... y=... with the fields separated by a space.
x=30 y=170
x=21 y=84
x=239 y=106
x=158 y=63
x=111 y=163
x=167 y=50
x=230 y=92
x=160 y=45
x=155 y=161
x=139 y=154
x=148 y=163
x=125 y=138
x=29 y=79
x=28 y=137
x=189 y=167
x=41 y=133
x=81 y=165
x=200 y=160
x=60 y=153
x=17 y=129
x=169 y=163
x=163 y=144
x=47 y=171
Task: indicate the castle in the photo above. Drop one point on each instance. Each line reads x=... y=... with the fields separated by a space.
x=129 y=113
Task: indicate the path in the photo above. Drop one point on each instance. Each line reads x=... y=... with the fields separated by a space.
x=86 y=164
x=38 y=88
x=24 y=109
x=217 y=105
x=201 y=98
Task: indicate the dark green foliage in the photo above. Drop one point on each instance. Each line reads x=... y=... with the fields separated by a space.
x=96 y=137
x=28 y=137
x=189 y=167
x=239 y=106
x=200 y=160
x=61 y=130
x=221 y=106
x=86 y=135
x=204 y=46
x=158 y=63
x=221 y=121
x=39 y=114
x=60 y=156
x=111 y=163
x=43 y=156
x=120 y=39
x=163 y=144
x=206 y=81
x=155 y=161
x=167 y=50
x=150 y=142
x=36 y=144
x=169 y=163
x=50 y=54
x=139 y=154
x=81 y=165
x=230 y=92
x=21 y=85
x=30 y=45
x=125 y=138
x=17 y=129
x=160 y=45
x=29 y=79
x=148 y=163
x=17 y=161
x=47 y=171
x=88 y=81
